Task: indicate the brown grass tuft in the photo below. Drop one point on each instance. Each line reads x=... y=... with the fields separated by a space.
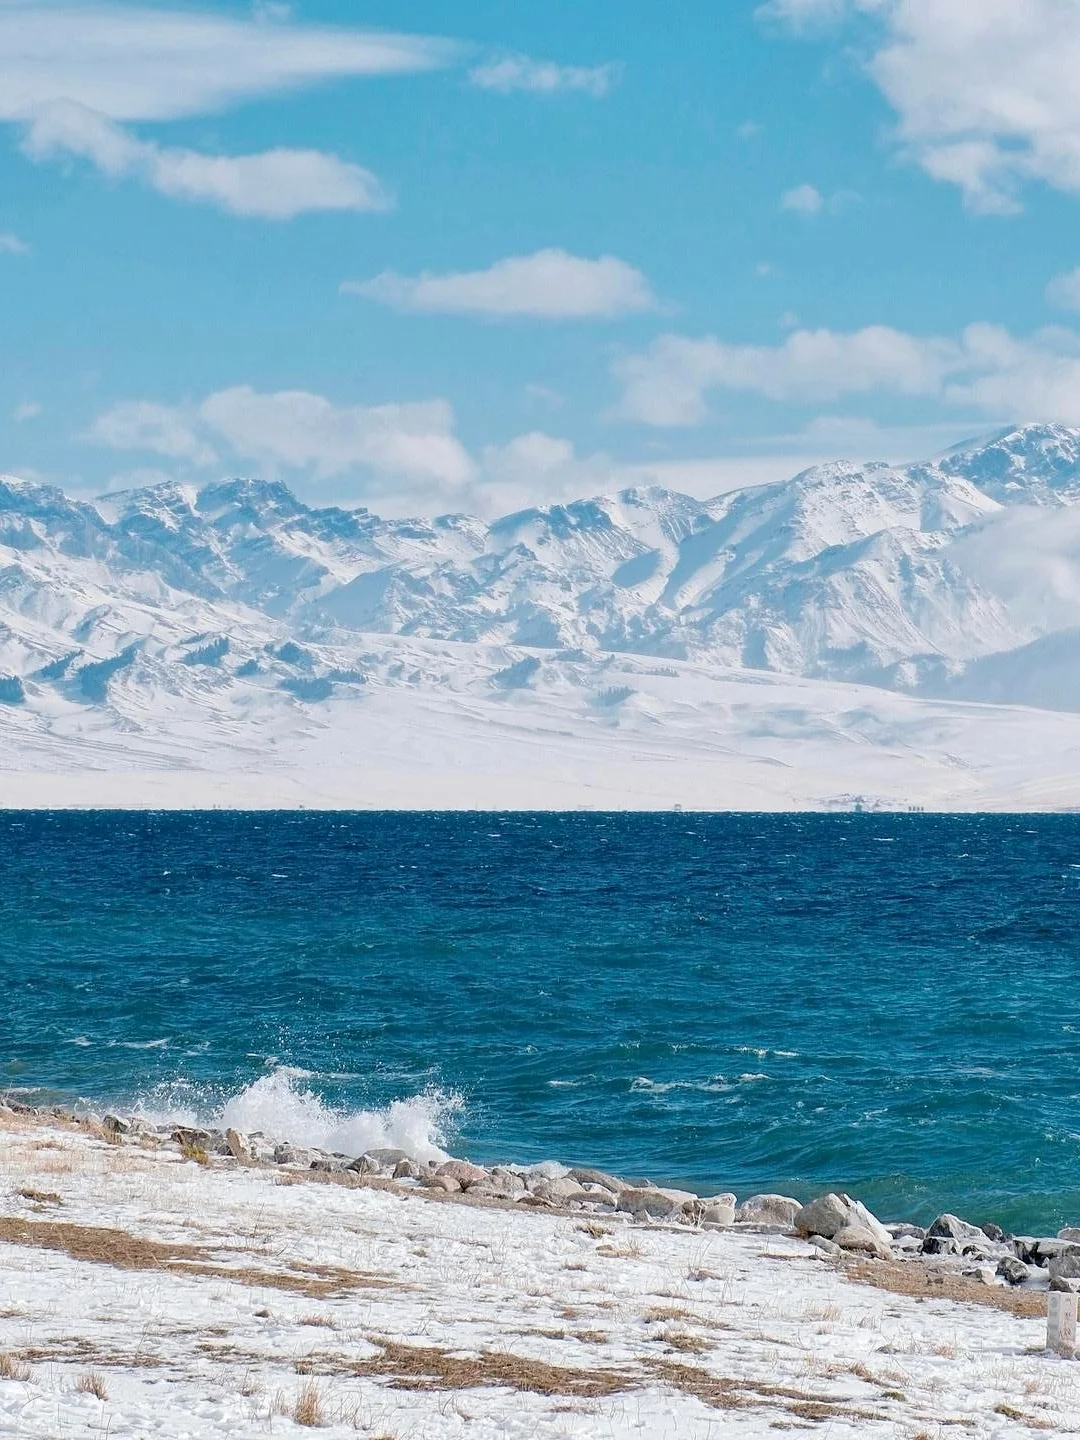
x=591 y=1227
x=92 y=1384
x=12 y=1368
x=683 y=1341
x=308 y=1409
x=39 y=1197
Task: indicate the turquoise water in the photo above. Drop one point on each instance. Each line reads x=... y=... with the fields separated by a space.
x=887 y=1003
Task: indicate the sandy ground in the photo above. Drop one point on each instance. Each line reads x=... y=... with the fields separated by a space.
x=142 y=1294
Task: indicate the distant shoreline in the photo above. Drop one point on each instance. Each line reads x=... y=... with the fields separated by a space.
x=353 y=792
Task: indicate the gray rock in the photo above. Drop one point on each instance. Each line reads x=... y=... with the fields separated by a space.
x=444 y=1183
x=1070 y=1232
x=598 y=1177
x=824 y=1216
x=293 y=1155
x=1013 y=1271
x=827 y=1247
x=775 y=1211
x=1038 y=1251
x=387 y=1156
x=114 y=1125
x=1065 y=1265
x=464 y=1173
x=832 y=1213
x=365 y=1165
x=718 y=1212
x=327 y=1165
x=406 y=1170
x=653 y=1203
x=1065 y=1284
x=546 y=1170
x=187 y=1137
x=238 y=1146
x=949 y=1235
x=563 y=1191
x=507 y=1180
x=949 y=1227
x=984 y=1274
x=862 y=1239
x=994 y=1232
x=903 y=1231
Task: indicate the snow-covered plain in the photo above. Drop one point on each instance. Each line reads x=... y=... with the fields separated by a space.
x=858 y=634
x=399 y=1316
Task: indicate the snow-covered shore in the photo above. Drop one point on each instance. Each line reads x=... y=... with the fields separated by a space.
x=147 y=1290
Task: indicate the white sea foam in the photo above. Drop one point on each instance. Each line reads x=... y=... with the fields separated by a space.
x=281 y=1109
x=717 y=1085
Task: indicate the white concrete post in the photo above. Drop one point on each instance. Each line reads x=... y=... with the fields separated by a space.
x=1061 y=1323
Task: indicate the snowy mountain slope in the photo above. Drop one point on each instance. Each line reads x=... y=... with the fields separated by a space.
x=172 y=623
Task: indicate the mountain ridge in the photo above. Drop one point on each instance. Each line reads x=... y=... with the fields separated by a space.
x=234 y=611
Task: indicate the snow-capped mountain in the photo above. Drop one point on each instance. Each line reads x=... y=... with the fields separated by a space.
x=959 y=577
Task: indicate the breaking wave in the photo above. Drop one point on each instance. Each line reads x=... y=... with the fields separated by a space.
x=282 y=1108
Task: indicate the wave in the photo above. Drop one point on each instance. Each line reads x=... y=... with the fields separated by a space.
x=281 y=1109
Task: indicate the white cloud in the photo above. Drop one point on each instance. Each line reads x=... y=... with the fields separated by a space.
x=277 y=184
x=545 y=395
x=1036 y=379
x=298 y=430
x=132 y=62
x=803 y=200
x=295 y=430
x=1064 y=290
x=985 y=93
x=11 y=244
x=550 y=285
x=985 y=369
x=668 y=384
x=541 y=77
x=806 y=14
x=144 y=425
x=28 y=410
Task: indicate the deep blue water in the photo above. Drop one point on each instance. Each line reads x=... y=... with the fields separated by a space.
x=887 y=1003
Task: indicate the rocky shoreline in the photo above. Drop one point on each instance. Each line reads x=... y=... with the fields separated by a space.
x=835 y=1224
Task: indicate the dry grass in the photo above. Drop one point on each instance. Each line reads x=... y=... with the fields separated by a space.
x=631 y=1251
x=1030 y=1422
x=684 y=1342
x=658 y=1314
x=39 y=1197
x=590 y=1227
x=92 y=1384
x=724 y=1393
x=415 y=1367
x=427 y=1368
x=12 y=1368
x=124 y=1251
x=308 y=1409
x=920 y=1281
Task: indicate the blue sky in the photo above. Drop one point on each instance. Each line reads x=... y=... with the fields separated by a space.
x=424 y=260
